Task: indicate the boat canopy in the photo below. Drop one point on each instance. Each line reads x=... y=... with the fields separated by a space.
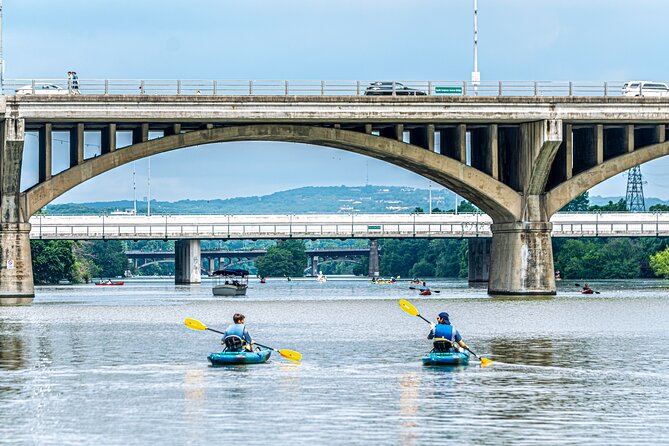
x=231 y=272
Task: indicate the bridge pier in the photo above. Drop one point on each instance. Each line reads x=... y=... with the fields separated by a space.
x=187 y=262
x=16 y=270
x=373 y=258
x=521 y=259
x=314 y=266
x=479 y=259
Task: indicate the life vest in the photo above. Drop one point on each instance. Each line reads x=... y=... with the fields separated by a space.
x=444 y=338
x=237 y=331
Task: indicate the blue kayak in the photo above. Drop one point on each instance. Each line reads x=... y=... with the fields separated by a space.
x=243 y=357
x=446 y=358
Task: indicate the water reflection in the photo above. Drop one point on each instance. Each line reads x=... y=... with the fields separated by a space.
x=409 y=397
x=12 y=346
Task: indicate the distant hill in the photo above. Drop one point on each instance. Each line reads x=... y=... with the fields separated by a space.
x=365 y=199
x=304 y=200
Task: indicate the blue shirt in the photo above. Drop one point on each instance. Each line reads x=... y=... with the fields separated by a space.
x=238 y=330
x=445 y=331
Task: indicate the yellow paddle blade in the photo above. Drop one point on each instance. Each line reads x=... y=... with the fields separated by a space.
x=194 y=324
x=485 y=362
x=290 y=354
x=407 y=307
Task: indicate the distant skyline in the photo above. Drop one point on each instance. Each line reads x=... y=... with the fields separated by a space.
x=597 y=40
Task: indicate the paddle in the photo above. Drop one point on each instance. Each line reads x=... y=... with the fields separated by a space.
x=414 y=288
x=288 y=354
x=578 y=285
x=410 y=309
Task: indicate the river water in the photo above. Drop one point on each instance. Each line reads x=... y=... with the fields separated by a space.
x=116 y=366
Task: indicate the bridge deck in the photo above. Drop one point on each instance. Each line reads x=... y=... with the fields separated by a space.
x=328 y=226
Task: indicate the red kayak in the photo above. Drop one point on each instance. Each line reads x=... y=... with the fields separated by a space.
x=426 y=293
x=110 y=284
x=588 y=291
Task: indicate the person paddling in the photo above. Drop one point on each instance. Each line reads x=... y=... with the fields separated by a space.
x=446 y=337
x=425 y=290
x=236 y=336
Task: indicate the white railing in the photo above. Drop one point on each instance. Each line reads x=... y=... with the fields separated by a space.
x=311 y=87
x=330 y=226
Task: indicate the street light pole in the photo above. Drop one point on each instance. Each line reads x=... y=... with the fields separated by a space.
x=476 y=75
x=2 y=55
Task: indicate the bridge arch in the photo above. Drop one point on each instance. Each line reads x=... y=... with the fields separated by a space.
x=561 y=195
x=495 y=198
x=155 y=262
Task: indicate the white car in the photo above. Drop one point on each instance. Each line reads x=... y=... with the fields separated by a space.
x=41 y=89
x=646 y=89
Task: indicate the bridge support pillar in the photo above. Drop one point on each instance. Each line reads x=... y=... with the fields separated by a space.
x=521 y=259
x=314 y=266
x=16 y=269
x=187 y=262
x=479 y=260
x=373 y=258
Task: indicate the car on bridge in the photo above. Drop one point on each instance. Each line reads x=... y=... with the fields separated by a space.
x=645 y=89
x=391 y=88
x=41 y=89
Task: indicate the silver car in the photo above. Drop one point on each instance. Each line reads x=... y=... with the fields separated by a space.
x=41 y=88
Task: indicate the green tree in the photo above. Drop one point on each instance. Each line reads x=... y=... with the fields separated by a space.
x=286 y=258
x=465 y=207
x=659 y=208
x=418 y=210
x=578 y=204
x=52 y=261
x=660 y=263
x=619 y=206
x=109 y=256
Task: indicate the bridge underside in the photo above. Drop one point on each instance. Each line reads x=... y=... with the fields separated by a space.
x=519 y=160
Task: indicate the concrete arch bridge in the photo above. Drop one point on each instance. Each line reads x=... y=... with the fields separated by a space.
x=519 y=159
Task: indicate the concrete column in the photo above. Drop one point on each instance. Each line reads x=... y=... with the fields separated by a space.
x=187 y=262
x=373 y=258
x=45 y=152
x=521 y=255
x=629 y=137
x=521 y=259
x=585 y=149
x=453 y=142
x=314 y=266
x=599 y=143
x=140 y=134
x=423 y=137
x=77 y=145
x=16 y=271
x=395 y=132
x=211 y=265
x=660 y=132
x=485 y=150
x=108 y=139
x=479 y=259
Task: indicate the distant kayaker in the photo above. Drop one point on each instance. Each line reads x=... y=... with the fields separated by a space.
x=237 y=337
x=445 y=336
x=424 y=287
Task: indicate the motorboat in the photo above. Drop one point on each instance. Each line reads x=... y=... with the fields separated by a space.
x=231 y=282
x=108 y=283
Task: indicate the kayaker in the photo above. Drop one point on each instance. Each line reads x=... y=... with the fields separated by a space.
x=446 y=337
x=237 y=337
x=424 y=287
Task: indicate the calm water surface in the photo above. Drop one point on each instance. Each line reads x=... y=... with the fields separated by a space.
x=117 y=366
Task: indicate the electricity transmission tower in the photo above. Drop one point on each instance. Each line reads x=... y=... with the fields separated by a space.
x=634 y=197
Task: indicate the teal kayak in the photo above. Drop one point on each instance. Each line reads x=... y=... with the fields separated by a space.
x=446 y=358
x=243 y=357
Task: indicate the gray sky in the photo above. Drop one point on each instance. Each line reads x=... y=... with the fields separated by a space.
x=594 y=40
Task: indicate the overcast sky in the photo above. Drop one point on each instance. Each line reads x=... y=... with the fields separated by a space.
x=594 y=40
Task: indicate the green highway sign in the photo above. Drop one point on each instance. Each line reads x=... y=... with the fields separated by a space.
x=448 y=90
x=373 y=228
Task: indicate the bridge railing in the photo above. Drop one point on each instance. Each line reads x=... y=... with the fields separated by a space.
x=332 y=226
x=183 y=227
x=310 y=87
